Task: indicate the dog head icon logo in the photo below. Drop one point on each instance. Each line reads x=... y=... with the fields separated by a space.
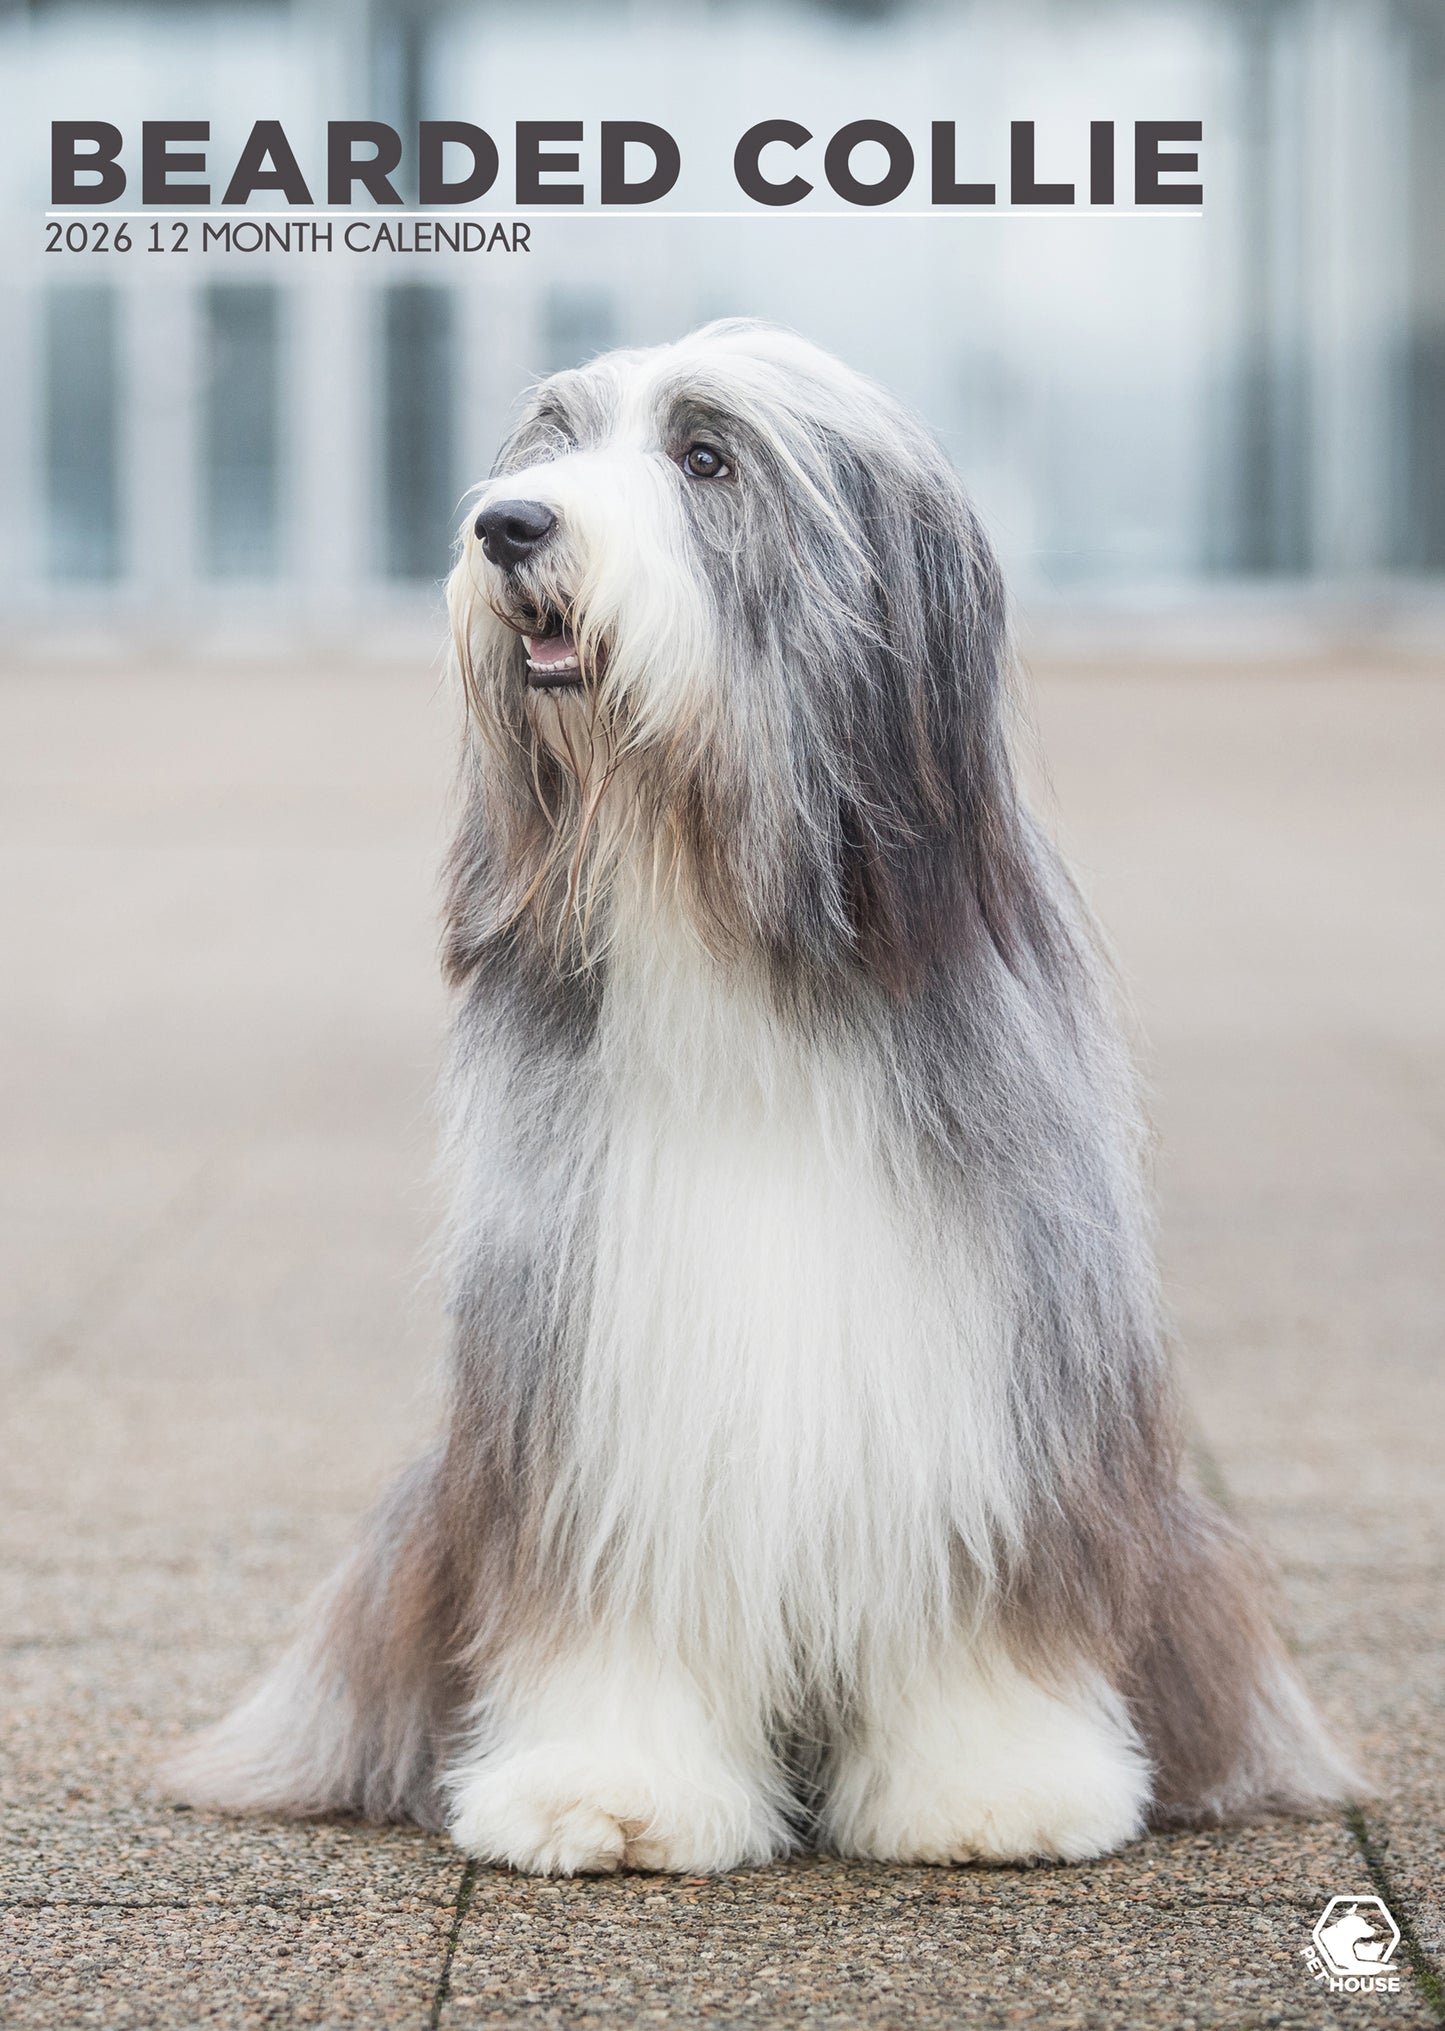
x=1355 y=1940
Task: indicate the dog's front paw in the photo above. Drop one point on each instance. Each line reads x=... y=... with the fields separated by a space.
x=554 y=1814
x=535 y=1822
x=982 y=1822
x=989 y=1767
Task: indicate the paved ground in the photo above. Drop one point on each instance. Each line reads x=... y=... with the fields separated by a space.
x=218 y=1021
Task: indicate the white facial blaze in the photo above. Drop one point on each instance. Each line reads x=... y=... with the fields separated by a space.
x=619 y=558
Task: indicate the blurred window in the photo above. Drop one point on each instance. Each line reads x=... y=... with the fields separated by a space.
x=418 y=483
x=81 y=413
x=241 y=446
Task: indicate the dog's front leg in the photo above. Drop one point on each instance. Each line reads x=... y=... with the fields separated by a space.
x=612 y=1755
x=972 y=1760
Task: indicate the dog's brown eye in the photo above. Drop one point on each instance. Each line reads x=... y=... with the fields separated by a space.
x=701 y=462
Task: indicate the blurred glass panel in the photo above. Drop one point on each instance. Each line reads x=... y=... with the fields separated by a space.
x=1422 y=540
x=1267 y=529
x=577 y=324
x=418 y=487
x=80 y=431
x=241 y=449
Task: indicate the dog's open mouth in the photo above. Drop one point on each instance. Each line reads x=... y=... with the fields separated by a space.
x=553 y=661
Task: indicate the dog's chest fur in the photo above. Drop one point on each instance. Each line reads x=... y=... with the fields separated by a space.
x=785 y=1367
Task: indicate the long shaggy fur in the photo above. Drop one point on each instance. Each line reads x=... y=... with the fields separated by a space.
x=809 y=1415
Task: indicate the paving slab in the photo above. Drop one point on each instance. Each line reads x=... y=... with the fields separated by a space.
x=187 y=1964
x=819 y=1944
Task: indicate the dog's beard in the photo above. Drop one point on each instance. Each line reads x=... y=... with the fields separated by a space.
x=585 y=801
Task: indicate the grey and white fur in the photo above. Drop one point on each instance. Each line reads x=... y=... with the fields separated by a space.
x=811 y=1471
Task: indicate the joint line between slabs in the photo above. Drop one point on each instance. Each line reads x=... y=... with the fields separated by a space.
x=1427 y=1977
x=465 y=1889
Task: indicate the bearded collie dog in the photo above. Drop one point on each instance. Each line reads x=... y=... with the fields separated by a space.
x=811 y=1471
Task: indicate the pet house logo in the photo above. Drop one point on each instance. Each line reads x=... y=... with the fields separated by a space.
x=1354 y=1942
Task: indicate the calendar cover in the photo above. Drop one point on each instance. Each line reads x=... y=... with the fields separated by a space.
x=722 y=738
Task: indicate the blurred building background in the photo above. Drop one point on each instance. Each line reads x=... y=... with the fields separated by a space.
x=1156 y=412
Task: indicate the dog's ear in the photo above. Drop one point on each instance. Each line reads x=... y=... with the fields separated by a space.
x=931 y=853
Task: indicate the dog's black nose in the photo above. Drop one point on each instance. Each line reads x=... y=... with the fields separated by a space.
x=512 y=530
